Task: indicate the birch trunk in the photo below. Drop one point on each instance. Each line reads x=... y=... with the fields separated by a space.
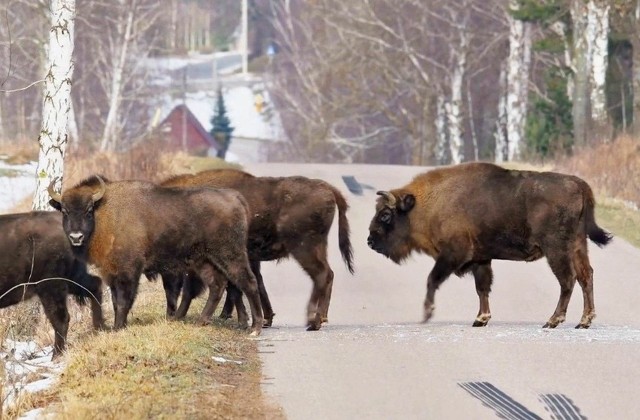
x=110 y=132
x=454 y=107
x=581 y=66
x=57 y=101
x=518 y=64
x=598 y=36
x=442 y=135
x=501 y=151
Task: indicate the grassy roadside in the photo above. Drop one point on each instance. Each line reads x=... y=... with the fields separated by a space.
x=159 y=369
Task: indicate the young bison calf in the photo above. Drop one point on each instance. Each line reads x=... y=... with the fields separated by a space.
x=464 y=216
x=127 y=228
x=36 y=260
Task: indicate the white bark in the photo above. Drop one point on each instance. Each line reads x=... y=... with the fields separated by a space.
x=581 y=67
x=57 y=101
x=598 y=39
x=501 y=123
x=518 y=64
x=125 y=30
x=454 y=107
x=442 y=142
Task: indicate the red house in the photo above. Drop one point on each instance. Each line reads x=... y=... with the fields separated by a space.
x=183 y=131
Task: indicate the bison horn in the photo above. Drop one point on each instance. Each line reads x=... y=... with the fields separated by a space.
x=98 y=195
x=55 y=196
x=391 y=199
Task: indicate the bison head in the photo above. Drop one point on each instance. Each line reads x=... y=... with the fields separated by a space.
x=389 y=231
x=77 y=207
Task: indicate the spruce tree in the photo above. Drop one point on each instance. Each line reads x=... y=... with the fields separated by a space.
x=221 y=129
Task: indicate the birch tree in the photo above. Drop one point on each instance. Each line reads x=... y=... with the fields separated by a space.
x=598 y=40
x=518 y=64
x=56 y=102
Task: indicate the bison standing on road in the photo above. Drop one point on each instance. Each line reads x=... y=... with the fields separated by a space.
x=36 y=260
x=464 y=216
x=289 y=216
x=127 y=228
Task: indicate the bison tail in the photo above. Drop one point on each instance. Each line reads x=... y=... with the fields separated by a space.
x=343 y=230
x=598 y=235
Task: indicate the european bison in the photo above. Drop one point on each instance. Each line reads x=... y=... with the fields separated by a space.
x=289 y=216
x=36 y=260
x=464 y=216
x=127 y=228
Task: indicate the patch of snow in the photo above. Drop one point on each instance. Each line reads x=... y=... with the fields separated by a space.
x=219 y=359
x=28 y=369
x=18 y=186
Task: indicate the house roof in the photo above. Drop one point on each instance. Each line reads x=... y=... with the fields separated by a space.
x=192 y=121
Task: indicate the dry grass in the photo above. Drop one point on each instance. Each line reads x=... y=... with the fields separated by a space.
x=157 y=369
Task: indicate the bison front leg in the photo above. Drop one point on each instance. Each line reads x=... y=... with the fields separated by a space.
x=440 y=272
x=124 y=291
x=172 y=285
x=483 y=276
x=267 y=310
x=97 y=317
x=55 y=308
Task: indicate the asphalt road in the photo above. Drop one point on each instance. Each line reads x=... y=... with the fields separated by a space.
x=375 y=360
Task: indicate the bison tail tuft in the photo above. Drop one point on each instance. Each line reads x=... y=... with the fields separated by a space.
x=599 y=236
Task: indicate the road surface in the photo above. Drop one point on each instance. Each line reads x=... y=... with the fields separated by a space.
x=375 y=360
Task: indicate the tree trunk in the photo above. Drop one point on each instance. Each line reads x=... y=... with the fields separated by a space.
x=454 y=107
x=501 y=151
x=442 y=143
x=581 y=70
x=57 y=101
x=110 y=132
x=598 y=36
x=518 y=63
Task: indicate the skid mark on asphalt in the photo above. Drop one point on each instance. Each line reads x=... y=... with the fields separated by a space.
x=561 y=407
x=503 y=405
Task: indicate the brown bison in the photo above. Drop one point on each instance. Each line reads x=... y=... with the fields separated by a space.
x=36 y=260
x=289 y=216
x=464 y=216
x=127 y=228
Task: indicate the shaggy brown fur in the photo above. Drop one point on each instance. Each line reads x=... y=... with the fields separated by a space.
x=464 y=216
x=289 y=216
x=128 y=228
x=36 y=260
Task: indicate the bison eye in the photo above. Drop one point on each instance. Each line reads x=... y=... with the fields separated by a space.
x=385 y=217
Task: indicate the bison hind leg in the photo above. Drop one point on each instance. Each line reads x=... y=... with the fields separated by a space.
x=585 y=279
x=483 y=276
x=55 y=308
x=562 y=266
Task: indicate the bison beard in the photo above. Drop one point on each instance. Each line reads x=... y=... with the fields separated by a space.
x=128 y=228
x=289 y=216
x=464 y=216
x=36 y=259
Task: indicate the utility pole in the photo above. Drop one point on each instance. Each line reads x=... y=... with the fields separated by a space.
x=244 y=41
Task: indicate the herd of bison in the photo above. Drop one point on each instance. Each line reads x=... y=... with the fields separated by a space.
x=211 y=230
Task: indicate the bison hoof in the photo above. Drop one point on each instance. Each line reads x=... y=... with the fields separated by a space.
x=313 y=326
x=550 y=325
x=204 y=322
x=268 y=322
x=477 y=323
x=225 y=315
x=582 y=326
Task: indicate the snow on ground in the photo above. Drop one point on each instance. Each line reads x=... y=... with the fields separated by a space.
x=27 y=369
x=16 y=183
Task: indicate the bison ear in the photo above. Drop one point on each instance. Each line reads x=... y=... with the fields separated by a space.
x=406 y=202
x=55 y=204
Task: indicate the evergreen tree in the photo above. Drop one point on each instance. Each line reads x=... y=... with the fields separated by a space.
x=221 y=129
